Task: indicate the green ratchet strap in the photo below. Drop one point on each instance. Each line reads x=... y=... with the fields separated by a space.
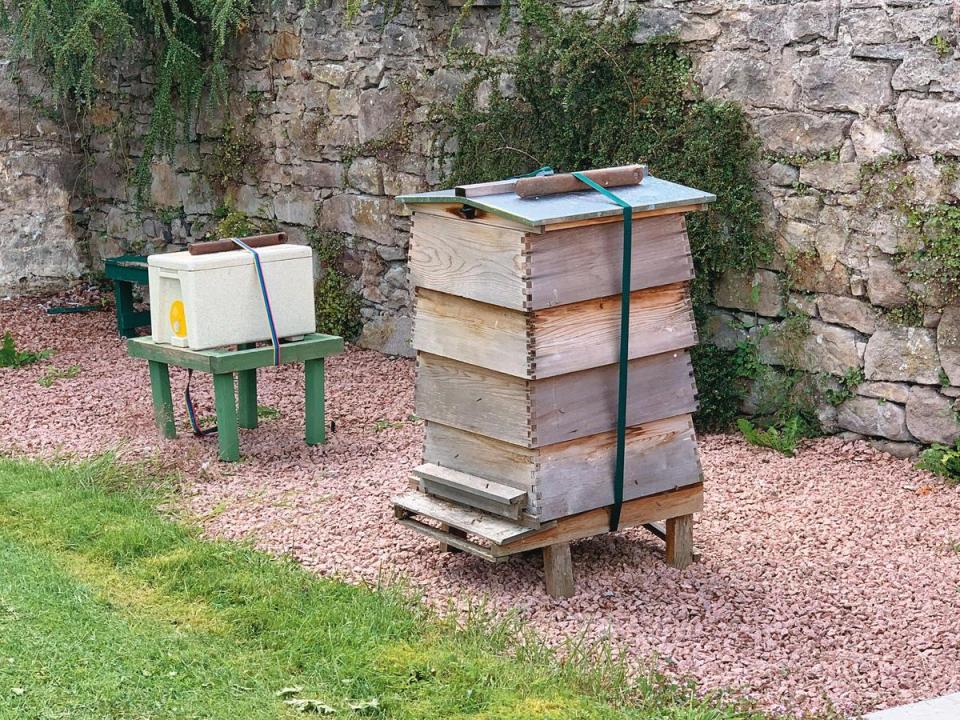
x=624 y=344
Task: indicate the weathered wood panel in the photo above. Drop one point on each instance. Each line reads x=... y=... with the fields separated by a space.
x=473 y=332
x=485 y=457
x=577 y=476
x=566 y=407
x=581 y=263
x=534 y=413
x=482 y=262
x=586 y=334
x=473 y=398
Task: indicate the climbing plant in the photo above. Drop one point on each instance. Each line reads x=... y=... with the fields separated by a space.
x=75 y=44
x=580 y=93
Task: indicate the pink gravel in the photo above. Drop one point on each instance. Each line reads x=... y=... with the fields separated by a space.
x=828 y=580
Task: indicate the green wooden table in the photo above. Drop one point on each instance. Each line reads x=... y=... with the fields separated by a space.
x=127 y=271
x=244 y=361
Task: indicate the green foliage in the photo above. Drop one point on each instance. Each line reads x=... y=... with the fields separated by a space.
x=847 y=385
x=909 y=315
x=73 y=42
x=234 y=223
x=113 y=611
x=233 y=155
x=53 y=374
x=942 y=460
x=338 y=304
x=583 y=95
x=783 y=440
x=941 y=45
x=13 y=358
x=719 y=385
x=937 y=261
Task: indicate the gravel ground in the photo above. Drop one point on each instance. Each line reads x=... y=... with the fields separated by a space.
x=828 y=580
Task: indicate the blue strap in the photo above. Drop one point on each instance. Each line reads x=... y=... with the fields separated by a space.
x=624 y=345
x=266 y=298
x=191 y=412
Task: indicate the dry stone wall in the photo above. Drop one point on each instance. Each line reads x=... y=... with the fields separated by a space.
x=332 y=119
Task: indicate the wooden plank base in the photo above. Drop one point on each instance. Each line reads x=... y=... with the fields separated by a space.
x=676 y=506
x=558 y=570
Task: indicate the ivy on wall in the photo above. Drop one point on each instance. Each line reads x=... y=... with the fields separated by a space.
x=579 y=93
x=74 y=42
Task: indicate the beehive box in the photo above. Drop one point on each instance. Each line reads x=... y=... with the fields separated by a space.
x=517 y=327
x=212 y=300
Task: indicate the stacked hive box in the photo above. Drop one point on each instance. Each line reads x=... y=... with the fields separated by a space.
x=517 y=325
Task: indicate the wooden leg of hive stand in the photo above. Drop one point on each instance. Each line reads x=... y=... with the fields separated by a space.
x=453 y=531
x=228 y=437
x=558 y=570
x=162 y=400
x=680 y=541
x=316 y=430
x=247 y=395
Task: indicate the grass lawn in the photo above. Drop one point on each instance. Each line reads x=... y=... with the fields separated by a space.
x=110 y=610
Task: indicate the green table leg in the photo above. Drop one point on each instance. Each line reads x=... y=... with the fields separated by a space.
x=162 y=401
x=226 y=402
x=123 y=296
x=316 y=430
x=247 y=394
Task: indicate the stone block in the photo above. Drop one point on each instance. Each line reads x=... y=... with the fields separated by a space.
x=885 y=286
x=830 y=349
x=844 y=84
x=929 y=126
x=830 y=243
x=895 y=392
x=163 y=185
x=760 y=292
x=906 y=354
x=365 y=175
x=922 y=23
x=869 y=25
x=388 y=333
x=782 y=174
x=931 y=417
x=747 y=79
x=723 y=330
x=379 y=109
x=847 y=311
x=361 y=215
x=868 y=416
x=831 y=176
x=785 y=24
x=295 y=207
x=799 y=133
x=286 y=46
x=948 y=343
x=875 y=137
x=902 y=450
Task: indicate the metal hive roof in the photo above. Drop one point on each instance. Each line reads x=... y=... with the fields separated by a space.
x=652 y=194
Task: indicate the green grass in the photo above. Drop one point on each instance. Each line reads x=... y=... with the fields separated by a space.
x=108 y=609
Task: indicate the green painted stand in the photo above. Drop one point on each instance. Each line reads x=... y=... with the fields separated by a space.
x=126 y=271
x=243 y=362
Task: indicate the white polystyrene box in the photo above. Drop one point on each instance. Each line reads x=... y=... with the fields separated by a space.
x=205 y=301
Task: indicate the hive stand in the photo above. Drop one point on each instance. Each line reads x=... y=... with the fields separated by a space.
x=127 y=271
x=496 y=539
x=517 y=328
x=243 y=362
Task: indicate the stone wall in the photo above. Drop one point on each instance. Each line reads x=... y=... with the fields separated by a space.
x=333 y=116
x=38 y=168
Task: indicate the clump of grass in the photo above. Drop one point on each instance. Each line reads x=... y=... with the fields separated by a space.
x=13 y=358
x=943 y=461
x=53 y=374
x=267 y=412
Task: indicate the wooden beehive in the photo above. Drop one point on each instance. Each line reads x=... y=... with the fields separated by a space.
x=517 y=327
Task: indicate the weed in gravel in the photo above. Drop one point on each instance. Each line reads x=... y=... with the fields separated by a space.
x=267 y=412
x=943 y=461
x=13 y=358
x=783 y=439
x=54 y=373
